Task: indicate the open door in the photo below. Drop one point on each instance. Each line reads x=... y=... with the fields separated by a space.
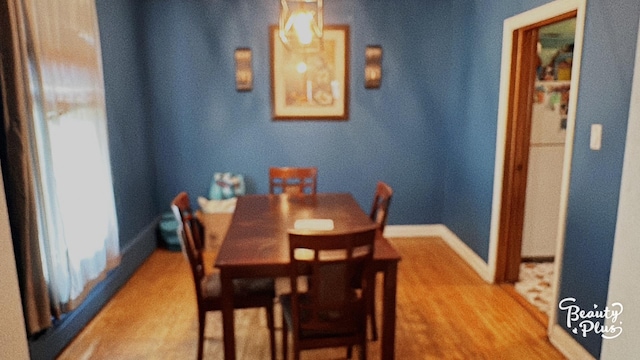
x=517 y=88
x=525 y=77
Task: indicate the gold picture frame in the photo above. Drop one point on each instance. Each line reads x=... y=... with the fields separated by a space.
x=311 y=85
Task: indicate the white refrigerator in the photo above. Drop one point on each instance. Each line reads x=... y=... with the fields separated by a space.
x=544 y=175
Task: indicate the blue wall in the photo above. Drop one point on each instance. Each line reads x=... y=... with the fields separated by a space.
x=130 y=140
x=605 y=91
x=202 y=124
x=471 y=134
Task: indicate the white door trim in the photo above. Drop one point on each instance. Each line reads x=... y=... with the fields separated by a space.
x=525 y=19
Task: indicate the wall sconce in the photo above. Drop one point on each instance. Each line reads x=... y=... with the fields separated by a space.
x=373 y=67
x=300 y=25
x=244 y=75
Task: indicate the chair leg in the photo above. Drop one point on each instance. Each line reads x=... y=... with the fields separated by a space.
x=296 y=347
x=202 y=317
x=349 y=352
x=362 y=345
x=374 y=326
x=372 y=315
x=285 y=339
x=272 y=329
x=363 y=350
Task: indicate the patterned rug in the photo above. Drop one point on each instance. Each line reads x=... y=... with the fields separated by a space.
x=535 y=284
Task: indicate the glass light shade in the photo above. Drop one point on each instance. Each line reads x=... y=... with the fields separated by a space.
x=300 y=24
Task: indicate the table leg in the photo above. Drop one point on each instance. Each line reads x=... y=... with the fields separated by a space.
x=389 y=311
x=228 y=333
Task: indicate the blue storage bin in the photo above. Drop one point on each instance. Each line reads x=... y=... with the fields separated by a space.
x=169 y=232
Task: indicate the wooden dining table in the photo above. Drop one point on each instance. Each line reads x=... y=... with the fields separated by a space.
x=257 y=245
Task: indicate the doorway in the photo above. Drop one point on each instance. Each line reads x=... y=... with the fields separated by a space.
x=529 y=85
x=545 y=157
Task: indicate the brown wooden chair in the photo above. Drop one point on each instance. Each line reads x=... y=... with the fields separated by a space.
x=293 y=180
x=331 y=312
x=248 y=293
x=380 y=207
x=379 y=212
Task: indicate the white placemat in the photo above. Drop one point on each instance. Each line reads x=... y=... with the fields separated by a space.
x=313 y=224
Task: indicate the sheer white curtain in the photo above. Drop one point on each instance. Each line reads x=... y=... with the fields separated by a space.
x=77 y=219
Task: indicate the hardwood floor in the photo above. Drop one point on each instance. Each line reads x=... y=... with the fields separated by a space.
x=444 y=311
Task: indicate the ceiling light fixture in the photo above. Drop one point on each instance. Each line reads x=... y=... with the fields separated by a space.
x=300 y=25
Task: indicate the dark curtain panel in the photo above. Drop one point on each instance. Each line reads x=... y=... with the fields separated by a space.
x=15 y=156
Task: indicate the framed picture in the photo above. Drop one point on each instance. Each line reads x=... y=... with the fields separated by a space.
x=311 y=86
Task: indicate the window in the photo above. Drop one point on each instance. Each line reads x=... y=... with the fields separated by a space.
x=76 y=208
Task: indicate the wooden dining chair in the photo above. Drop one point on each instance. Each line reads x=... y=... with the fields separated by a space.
x=380 y=206
x=248 y=293
x=331 y=312
x=379 y=212
x=293 y=180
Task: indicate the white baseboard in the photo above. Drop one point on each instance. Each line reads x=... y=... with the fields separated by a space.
x=467 y=254
x=405 y=231
x=454 y=242
x=567 y=345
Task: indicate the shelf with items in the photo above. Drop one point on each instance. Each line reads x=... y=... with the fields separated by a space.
x=549 y=112
x=554 y=94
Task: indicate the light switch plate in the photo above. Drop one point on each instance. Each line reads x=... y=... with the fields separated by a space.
x=596 y=137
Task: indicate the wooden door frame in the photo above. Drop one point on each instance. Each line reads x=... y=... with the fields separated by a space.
x=517 y=143
x=513 y=134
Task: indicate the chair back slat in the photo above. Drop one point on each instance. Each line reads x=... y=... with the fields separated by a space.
x=380 y=206
x=293 y=180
